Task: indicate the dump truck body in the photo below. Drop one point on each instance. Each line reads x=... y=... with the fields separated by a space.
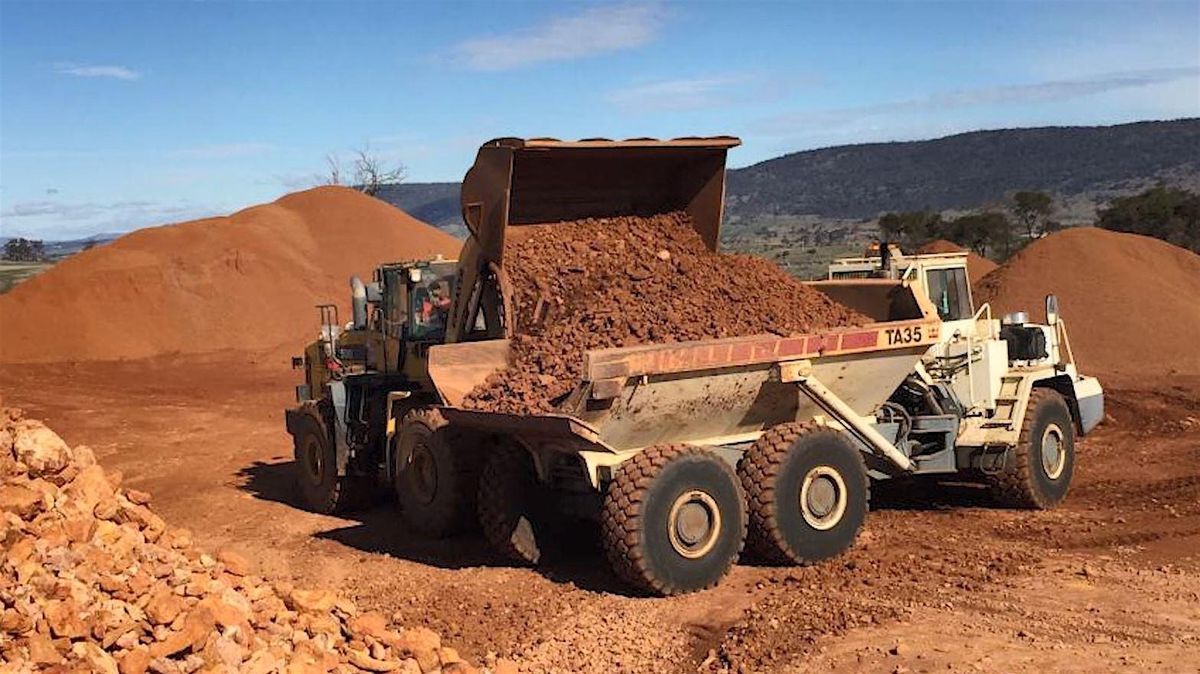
x=933 y=386
x=710 y=392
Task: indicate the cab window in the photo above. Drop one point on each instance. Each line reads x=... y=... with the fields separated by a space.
x=949 y=292
x=429 y=309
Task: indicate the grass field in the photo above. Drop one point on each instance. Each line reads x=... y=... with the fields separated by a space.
x=12 y=273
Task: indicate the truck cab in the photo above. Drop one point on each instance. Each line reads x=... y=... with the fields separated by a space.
x=984 y=370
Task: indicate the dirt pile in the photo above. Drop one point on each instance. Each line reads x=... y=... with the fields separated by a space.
x=91 y=579
x=246 y=282
x=610 y=282
x=978 y=266
x=1131 y=303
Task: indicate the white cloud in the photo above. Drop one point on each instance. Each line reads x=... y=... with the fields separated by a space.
x=226 y=151
x=676 y=95
x=1056 y=90
x=58 y=220
x=1015 y=94
x=595 y=30
x=109 y=72
x=708 y=91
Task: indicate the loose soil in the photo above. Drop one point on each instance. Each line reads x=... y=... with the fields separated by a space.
x=942 y=579
x=978 y=266
x=247 y=281
x=1131 y=303
x=610 y=282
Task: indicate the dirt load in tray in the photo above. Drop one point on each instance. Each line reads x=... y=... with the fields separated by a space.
x=612 y=282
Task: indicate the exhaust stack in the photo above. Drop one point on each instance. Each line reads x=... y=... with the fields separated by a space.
x=358 y=302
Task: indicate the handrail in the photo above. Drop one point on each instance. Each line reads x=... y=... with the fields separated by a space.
x=1061 y=330
x=984 y=308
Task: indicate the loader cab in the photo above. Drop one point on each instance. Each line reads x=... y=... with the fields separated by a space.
x=413 y=309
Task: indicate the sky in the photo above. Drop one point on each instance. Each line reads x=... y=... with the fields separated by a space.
x=120 y=115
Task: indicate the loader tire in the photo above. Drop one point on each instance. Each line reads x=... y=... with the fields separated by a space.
x=673 y=520
x=1037 y=473
x=436 y=477
x=320 y=487
x=510 y=508
x=807 y=491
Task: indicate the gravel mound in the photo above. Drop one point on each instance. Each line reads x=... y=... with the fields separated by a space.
x=610 y=282
x=92 y=580
x=244 y=282
x=1130 y=302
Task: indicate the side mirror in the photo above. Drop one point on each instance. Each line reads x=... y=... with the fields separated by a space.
x=1051 y=310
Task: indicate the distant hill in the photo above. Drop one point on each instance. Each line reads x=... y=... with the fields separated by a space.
x=435 y=203
x=1081 y=166
x=967 y=170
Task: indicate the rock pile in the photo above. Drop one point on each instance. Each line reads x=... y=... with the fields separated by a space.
x=621 y=281
x=92 y=580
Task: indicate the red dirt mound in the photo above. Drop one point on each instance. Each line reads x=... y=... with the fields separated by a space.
x=978 y=266
x=1131 y=303
x=607 y=282
x=247 y=281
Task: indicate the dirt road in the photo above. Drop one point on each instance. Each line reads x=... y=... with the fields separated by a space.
x=940 y=581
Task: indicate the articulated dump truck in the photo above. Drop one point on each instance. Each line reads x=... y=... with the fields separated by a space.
x=684 y=453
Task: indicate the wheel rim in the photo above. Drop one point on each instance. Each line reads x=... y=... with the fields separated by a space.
x=823 y=498
x=314 y=459
x=1054 y=452
x=422 y=471
x=694 y=524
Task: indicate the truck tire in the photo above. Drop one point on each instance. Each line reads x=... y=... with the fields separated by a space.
x=435 y=478
x=509 y=505
x=316 y=472
x=673 y=519
x=807 y=492
x=1037 y=472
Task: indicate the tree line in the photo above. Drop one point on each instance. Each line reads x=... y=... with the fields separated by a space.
x=990 y=233
x=25 y=250
x=1170 y=214
x=1166 y=213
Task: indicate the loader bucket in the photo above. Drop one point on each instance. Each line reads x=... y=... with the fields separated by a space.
x=455 y=369
x=517 y=182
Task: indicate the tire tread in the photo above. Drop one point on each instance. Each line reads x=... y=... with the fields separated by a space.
x=622 y=512
x=1014 y=485
x=502 y=473
x=758 y=471
x=465 y=468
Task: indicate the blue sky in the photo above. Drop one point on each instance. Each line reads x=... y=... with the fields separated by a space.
x=117 y=115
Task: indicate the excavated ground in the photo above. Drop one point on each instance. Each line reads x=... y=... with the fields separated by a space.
x=609 y=282
x=940 y=581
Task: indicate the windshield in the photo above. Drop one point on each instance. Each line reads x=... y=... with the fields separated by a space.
x=430 y=305
x=949 y=292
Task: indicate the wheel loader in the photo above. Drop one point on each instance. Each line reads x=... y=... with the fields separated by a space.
x=686 y=453
x=368 y=415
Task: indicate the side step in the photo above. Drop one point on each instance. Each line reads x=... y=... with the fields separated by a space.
x=1006 y=402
